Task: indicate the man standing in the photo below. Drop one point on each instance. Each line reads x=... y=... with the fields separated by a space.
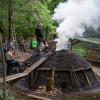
x=21 y=45
x=39 y=36
x=34 y=44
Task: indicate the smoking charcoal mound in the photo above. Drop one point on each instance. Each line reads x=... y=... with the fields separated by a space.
x=63 y=59
x=70 y=72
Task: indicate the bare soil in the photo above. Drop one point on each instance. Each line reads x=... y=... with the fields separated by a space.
x=88 y=95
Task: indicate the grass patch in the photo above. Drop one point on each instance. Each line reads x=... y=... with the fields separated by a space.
x=80 y=49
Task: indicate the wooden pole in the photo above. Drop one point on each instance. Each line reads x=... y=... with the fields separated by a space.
x=50 y=81
x=4 y=69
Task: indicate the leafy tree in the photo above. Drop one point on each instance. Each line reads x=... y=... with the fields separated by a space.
x=27 y=14
x=52 y=4
x=4 y=17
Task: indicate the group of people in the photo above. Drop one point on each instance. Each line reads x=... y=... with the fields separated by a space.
x=37 y=42
x=10 y=57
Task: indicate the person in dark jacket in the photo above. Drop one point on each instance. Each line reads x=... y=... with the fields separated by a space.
x=21 y=45
x=39 y=36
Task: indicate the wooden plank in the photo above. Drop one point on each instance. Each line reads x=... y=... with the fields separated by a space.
x=88 y=81
x=71 y=78
x=80 y=69
x=38 y=97
x=16 y=76
x=96 y=71
x=35 y=65
x=33 y=81
x=44 y=69
x=59 y=69
x=95 y=75
x=12 y=77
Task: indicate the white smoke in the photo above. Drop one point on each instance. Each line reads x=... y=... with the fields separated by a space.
x=74 y=15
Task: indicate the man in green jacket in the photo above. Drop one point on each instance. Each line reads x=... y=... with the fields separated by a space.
x=34 y=44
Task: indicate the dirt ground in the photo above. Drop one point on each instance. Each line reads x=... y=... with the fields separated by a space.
x=95 y=95
x=80 y=96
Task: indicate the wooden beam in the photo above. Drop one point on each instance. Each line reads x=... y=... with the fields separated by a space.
x=59 y=69
x=35 y=65
x=38 y=97
x=88 y=81
x=95 y=75
x=12 y=77
x=33 y=81
x=44 y=69
x=71 y=78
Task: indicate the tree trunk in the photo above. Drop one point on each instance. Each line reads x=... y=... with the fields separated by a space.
x=4 y=69
x=29 y=22
x=1 y=27
x=10 y=19
x=46 y=34
x=1 y=22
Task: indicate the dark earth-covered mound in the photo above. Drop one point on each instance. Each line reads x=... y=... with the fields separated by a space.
x=68 y=70
x=65 y=59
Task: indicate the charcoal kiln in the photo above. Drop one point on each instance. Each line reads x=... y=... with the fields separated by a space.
x=68 y=71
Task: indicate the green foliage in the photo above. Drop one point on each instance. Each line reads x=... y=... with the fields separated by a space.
x=30 y=14
x=27 y=14
x=3 y=16
x=43 y=15
x=1 y=93
x=52 y=4
x=80 y=49
x=9 y=97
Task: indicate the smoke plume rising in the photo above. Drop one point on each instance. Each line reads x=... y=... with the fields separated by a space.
x=73 y=16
